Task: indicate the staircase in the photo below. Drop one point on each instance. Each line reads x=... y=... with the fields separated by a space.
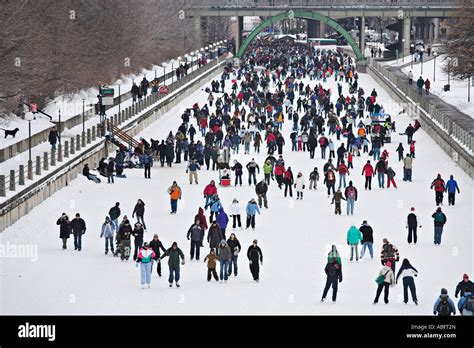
x=117 y=132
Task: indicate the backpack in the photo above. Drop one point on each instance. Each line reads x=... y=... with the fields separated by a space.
x=330 y=176
x=444 y=309
x=469 y=304
x=439 y=217
x=439 y=185
x=388 y=250
x=351 y=193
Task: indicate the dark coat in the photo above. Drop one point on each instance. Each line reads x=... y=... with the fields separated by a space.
x=234 y=245
x=64 y=227
x=196 y=233
x=214 y=236
x=139 y=209
x=156 y=245
x=174 y=256
x=367 y=233
x=78 y=226
x=333 y=270
x=254 y=253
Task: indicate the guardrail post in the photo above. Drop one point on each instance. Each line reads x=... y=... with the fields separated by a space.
x=12 y=180
x=116 y=120
x=88 y=135
x=3 y=189
x=98 y=130
x=83 y=139
x=30 y=170
x=45 y=161
x=93 y=133
x=78 y=142
x=73 y=147
x=53 y=157
x=66 y=149
x=60 y=153
x=38 y=165
x=21 y=175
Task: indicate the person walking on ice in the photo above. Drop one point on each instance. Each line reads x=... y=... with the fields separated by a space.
x=175 y=193
x=354 y=236
x=407 y=272
x=145 y=259
x=251 y=210
x=254 y=254
x=439 y=221
x=211 y=265
x=451 y=188
x=384 y=280
x=299 y=185
x=333 y=272
x=174 y=253
x=412 y=224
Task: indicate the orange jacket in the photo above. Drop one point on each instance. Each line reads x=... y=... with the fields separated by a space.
x=175 y=192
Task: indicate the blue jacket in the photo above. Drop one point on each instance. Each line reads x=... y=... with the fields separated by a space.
x=462 y=301
x=252 y=208
x=452 y=186
x=451 y=304
x=107 y=230
x=147 y=159
x=216 y=206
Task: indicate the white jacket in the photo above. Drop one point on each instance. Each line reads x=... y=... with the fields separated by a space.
x=408 y=272
x=388 y=274
x=234 y=209
x=299 y=182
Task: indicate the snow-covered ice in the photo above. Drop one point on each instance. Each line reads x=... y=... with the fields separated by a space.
x=295 y=237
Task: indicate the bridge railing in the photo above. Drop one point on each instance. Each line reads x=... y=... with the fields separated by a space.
x=228 y=4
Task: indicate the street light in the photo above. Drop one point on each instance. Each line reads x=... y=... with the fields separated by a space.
x=403 y=50
x=421 y=59
x=83 y=116
x=28 y=116
x=435 y=54
x=164 y=65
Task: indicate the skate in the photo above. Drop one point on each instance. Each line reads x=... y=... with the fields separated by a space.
x=171 y=285
x=177 y=284
x=322 y=300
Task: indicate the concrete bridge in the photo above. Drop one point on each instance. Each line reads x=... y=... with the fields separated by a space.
x=425 y=15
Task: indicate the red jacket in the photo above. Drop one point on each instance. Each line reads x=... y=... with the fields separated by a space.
x=270 y=138
x=279 y=170
x=342 y=169
x=203 y=122
x=368 y=170
x=210 y=190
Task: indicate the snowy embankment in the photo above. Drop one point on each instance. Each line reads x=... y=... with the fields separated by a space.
x=72 y=104
x=457 y=96
x=295 y=237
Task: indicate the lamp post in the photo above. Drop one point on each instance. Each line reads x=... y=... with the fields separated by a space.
x=59 y=128
x=421 y=59
x=83 y=116
x=179 y=59
x=435 y=54
x=403 y=50
x=119 y=95
x=186 y=56
x=164 y=64
x=206 y=49
x=172 y=70
x=28 y=115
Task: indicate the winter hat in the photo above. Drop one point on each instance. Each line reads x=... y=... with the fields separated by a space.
x=155 y=235
x=388 y=264
x=412 y=209
x=465 y=276
x=174 y=244
x=223 y=241
x=255 y=241
x=438 y=209
x=444 y=291
x=364 y=222
x=145 y=245
x=117 y=204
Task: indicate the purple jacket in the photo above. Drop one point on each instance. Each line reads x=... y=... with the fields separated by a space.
x=222 y=219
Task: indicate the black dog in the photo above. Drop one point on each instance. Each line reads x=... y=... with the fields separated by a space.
x=10 y=132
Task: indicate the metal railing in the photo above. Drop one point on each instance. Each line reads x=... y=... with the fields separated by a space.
x=233 y=4
x=453 y=122
x=17 y=180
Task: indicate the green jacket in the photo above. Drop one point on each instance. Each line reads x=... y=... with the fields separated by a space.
x=174 y=256
x=336 y=255
x=267 y=168
x=354 y=236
